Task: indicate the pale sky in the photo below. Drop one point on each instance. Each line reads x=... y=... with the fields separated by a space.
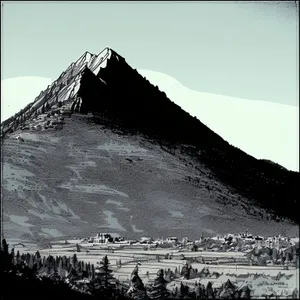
x=239 y=49
x=220 y=53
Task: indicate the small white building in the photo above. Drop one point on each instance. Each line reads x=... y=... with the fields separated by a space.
x=102 y=238
x=146 y=240
x=172 y=239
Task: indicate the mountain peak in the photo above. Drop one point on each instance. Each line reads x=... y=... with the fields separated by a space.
x=63 y=89
x=118 y=96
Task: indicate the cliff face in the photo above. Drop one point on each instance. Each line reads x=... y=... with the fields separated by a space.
x=113 y=112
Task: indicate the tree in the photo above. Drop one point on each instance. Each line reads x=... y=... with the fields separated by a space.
x=12 y=256
x=4 y=247
x=228 y=290
x=183 y=291
x=93 y=272
x=246 y=293
x=60 y=269
x=158 y=289
x=204 y=273
x=295 y=294
x=169 y=275
x=185 y=271
x=137 y=289
x=209 y=291
x=73 y=275
x=197 y=290
x=103 y=275
x=194 y=248
x=5 y=256
x=18 y=260
x=274 y=255
x=74 y=260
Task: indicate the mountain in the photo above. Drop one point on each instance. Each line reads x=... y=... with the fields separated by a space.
x=102 y=149
x=265 y=130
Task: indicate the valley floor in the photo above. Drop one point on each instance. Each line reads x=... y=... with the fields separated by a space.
x=263 y=280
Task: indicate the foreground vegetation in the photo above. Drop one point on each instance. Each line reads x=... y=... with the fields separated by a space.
x=31 y=275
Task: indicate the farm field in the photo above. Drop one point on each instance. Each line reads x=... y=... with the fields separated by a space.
x=153 y=260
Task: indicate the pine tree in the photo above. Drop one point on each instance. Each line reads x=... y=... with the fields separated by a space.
x=5 y=257
x=60 y=269
x=246 y=293
x=158 y=289
x=38 y=258
x=18 y=259
x=104 y=273
x=52 y=265
x=186 y=271
x=137 y=289
x=170 y=275
x=209 y=291
x=12 y=256
x=64 y=262
x=29 y=260
x=295 y=294
x=73 y=275
x=202 y=292
x=183 y=291
x=197 y=290
x=55 y=276
x=93 y=272
x=44 y=261
x=74 y=260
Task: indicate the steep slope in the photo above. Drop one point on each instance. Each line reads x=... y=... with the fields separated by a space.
x=131 y=101
x=138 y=194
x=86 y=178
x=265 y=130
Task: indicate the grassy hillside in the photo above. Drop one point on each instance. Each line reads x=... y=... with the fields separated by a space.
x=86 y=178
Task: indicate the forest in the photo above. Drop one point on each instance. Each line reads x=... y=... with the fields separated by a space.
x=31 y=275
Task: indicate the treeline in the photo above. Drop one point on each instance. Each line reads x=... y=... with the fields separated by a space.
x=31 y=275
x=261 y=256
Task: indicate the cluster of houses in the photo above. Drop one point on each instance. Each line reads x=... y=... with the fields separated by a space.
x=258 y=241
x=244 y=238
x=106 y=238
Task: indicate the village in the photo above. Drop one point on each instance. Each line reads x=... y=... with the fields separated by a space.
x=268 y=265
x=241 y=242
x=247 y=238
